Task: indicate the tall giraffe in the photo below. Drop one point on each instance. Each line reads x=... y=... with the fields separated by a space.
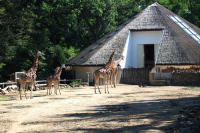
x=103 y=73
x=29 y=76
x=114 y=70
x=55 y=79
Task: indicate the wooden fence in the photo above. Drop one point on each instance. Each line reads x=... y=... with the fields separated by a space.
x=8 y=83
x=135 y=76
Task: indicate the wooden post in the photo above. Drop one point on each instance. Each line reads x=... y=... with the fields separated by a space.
x=88 y=78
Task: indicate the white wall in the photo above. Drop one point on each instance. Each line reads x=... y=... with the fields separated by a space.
x=138 y=38
x=81 y=72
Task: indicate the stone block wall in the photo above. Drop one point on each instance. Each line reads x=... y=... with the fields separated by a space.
x=185 y=78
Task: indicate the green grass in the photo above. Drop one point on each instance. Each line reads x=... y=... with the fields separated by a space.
x=195 y=88
x=19 y=107
x=56 y=98
x=4 y=99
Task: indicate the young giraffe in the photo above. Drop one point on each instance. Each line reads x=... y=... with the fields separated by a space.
x=29 y=76
x=114 y=70
x=55 y=79
x=49 y=88
x=103 y=73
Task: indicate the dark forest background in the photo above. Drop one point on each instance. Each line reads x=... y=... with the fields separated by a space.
x=63 y=28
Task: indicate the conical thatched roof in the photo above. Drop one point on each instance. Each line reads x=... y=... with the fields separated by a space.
x=177 y=46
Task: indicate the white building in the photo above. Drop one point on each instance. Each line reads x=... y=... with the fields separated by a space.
x=154 y=37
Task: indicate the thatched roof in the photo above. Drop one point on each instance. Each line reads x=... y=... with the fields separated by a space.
x=177 y=47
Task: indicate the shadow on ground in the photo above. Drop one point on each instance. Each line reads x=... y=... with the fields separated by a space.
x=133 y=116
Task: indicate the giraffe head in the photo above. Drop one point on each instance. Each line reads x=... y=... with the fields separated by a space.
x=115 y=52
x=68 y=68
x=122 y=57
x=63 y=66
x=39 y=53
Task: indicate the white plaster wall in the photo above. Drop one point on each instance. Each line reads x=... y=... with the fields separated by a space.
x=138 y=38
x=81 y=72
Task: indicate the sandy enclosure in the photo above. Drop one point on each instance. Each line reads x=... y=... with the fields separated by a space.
x=128 y=108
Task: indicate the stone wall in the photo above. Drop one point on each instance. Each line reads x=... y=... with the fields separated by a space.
x=185 y=78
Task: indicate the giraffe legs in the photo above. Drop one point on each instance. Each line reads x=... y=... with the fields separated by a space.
x=59 y=88
x=115 y=76
x=20 y=91
x=49 y=84
x=24 y=90
x=106 y=83
x=55 y=88
x=111 y=80
x=31 y=93
x=114 y=81
x=22 y=87
x=49 y=89
x=96 y=82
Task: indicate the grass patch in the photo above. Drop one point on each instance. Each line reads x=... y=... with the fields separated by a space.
x=56 y=98
x=5 y=99
x=2 y=112
x=114 y=97
x=195 y=88
x=19 y=107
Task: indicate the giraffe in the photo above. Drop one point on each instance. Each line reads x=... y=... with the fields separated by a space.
x=57 y=68
x=29 y=76
x=114 y=70
x=55 y=79
x=103 y=73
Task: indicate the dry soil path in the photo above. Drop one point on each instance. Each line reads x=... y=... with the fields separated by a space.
x=128 y=108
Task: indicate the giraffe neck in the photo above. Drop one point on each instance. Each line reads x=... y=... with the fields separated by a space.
x=56 y=71
x=110 y=59
x=118 y=61
x=59 y=71
x=35 y=64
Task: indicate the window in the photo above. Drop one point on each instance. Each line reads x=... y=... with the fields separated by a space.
x=185 y=27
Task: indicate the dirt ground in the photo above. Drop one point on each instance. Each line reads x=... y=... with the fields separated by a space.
x=128 y=108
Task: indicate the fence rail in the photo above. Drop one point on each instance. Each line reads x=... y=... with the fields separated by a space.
x=135 y=75
x=8 y=83
x=38 y=82
x=62 y=80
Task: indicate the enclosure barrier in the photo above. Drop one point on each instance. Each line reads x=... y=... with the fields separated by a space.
x=135 y=75
x=8 y=83
x=62 y=80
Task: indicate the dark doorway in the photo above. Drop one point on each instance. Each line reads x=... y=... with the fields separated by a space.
x=149 y=59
